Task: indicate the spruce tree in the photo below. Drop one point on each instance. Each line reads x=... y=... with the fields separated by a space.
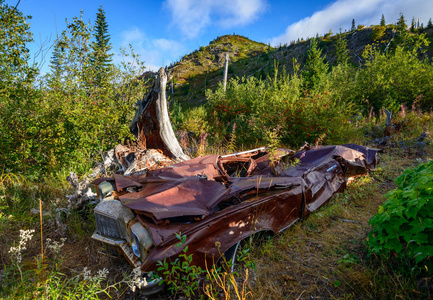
x=353 y=25
x=57 y=61
x=341 y=50
x=382 y=21
x=315 y=66
x=401 y=23
x=413 y=25
x=100 y=56
x=429 y=24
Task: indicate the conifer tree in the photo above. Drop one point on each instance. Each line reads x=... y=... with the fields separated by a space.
x=100 y=56
x=341 y=50
x=401 y=23
x=353 y=25
x=401 y=31
x=413 y=25
x=315 y=66
x=57 y=60
x=429 y=24
x=382 y=21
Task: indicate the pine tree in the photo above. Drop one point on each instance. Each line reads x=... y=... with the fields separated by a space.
x=315 y=66
x=353 y=25
x=341 y=50
x=421 y=27
x=382 y=21
x=413 y=25
x=57 y=60
x=401 y=23
x=100 y=56
x=429 y=24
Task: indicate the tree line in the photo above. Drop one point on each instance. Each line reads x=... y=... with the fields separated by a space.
x=63 y=119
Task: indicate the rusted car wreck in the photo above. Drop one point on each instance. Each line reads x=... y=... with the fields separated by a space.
x=217 y=201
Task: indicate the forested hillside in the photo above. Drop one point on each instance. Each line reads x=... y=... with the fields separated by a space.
x=371 y=85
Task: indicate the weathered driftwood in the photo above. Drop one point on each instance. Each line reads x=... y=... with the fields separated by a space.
x=82 y=194
x=151 y=124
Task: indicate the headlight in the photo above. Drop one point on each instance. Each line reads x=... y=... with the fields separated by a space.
x=135 y=243
x=141 y=240
x=105 y=189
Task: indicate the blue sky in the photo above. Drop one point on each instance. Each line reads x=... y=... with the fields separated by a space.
x=163 y=31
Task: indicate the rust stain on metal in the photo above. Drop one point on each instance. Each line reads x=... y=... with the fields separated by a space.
x=224 y=199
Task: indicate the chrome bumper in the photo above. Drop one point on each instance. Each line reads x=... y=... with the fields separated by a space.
x=154 y=284
x=122 y=244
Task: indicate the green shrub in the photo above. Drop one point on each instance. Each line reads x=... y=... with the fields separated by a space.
x=257 y=106
x=181 y=275
x=403 y=227
x=378 y=32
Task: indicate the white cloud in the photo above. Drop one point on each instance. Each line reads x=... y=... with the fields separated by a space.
x=192 y=16
x=155 y=53
x=340 y=13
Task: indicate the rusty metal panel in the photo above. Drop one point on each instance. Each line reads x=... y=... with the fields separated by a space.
x=228 y=198
x=225 y=227
x=189 y=196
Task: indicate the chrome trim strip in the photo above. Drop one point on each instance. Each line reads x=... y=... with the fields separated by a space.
x=290 y=225
x=243 y=152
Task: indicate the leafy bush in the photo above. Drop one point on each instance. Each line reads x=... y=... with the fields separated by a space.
x=392 y=78
x=403 y=227
x=257 y=106
x=378 y=32
x=181 y=275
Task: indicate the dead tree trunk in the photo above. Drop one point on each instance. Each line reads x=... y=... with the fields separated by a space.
x=226 y=68
x=151 y=124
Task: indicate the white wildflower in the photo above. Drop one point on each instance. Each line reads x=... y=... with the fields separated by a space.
x=25 y=235
x=87 y=274
x=136 y=279
x=55 y=246
x=102 y=274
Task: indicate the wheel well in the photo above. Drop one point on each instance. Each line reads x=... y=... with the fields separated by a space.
x=230 y=255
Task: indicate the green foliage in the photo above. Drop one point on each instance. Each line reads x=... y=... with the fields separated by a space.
x=17 y=94
x=391 y=79
x=341 y=50
x=273 y=142
x=315 y=68
x=429 y=24
x=257 y=106
x=15 y=72
x=403 y=227
x=401 y=23
x=100 y=57
x=378 y=32
x=71 y=118
x=181 y=275
x=231 y=146
x=188 y=119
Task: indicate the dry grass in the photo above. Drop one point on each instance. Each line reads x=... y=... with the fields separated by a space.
x=324 y=256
